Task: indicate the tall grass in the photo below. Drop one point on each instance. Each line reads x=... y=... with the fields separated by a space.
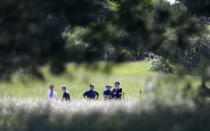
x=41 y=115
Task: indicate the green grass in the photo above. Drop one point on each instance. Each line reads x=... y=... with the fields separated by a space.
x=133 y=77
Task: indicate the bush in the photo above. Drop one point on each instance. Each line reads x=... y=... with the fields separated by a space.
x=160 y=65
x=197 y=54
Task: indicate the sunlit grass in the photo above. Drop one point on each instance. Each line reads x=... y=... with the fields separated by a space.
x=134 y=76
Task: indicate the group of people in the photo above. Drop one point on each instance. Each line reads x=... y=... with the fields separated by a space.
x=91 y=94
x=52 y=95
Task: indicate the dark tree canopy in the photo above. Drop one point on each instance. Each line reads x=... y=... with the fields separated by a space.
x=198 y=7
x=31 y=32
x=139 y=24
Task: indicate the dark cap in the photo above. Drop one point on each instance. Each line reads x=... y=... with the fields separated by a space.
x=91 y=85
x=64 y=87
x=117 y=82
x=108 y=86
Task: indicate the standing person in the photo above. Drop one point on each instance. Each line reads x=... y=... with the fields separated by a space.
x=51 y=94
x=108 y=94
x=91 y=94
x=117 y=91
x=66 y=95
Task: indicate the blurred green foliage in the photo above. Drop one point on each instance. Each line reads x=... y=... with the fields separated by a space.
x=197 y=7
x=31 y=32
x=36 y=33
x=160 y=65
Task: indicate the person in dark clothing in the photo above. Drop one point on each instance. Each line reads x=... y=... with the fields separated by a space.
x=108 y=94
x=91 y=94
x=66 y=95
x=117 y=91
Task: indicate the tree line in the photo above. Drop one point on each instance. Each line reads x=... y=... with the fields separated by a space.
x=55 y=32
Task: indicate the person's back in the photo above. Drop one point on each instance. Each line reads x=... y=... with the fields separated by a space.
x=91 y=94
x=66 y=95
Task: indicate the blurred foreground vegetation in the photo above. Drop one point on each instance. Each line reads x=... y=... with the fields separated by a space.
x=40 y=115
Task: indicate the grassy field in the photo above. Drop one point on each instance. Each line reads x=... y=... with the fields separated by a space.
x=162 y=105
x=134 y=76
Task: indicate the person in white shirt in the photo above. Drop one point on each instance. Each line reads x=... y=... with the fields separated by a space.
x=51 y=94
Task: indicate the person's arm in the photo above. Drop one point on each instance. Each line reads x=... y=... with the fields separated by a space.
x=63 y=97
x=97 y=95
x=120 y=92
x=84 y=95
x=114 y=93
x=111 y=95
x=48 y=94
x=105 y=96
x=56 y=95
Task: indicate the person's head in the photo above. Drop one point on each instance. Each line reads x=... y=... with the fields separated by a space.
x=108 y=87
x=92 y=87
x=63 y=88
x=117 y=84
x=51 y=87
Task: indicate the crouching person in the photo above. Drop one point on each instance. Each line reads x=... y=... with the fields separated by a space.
x=66 y=95
x=108 y=93
x=117 y=91
x=91 y=94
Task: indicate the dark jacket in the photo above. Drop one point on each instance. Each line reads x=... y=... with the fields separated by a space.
x=108 y=93
x=91 y=94
x=117 y=93
x=66 y=96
